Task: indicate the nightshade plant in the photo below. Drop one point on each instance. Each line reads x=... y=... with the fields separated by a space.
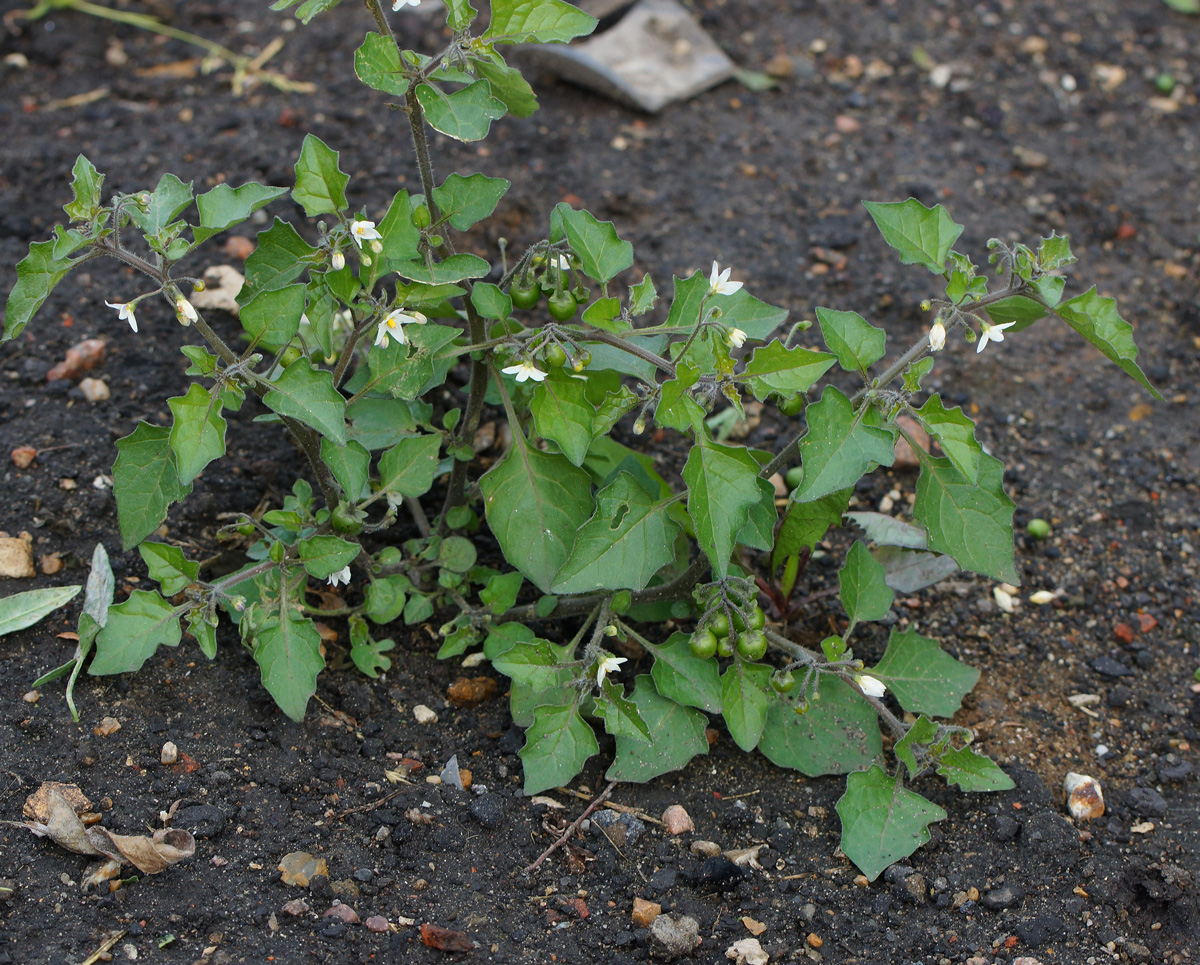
x=354 y=333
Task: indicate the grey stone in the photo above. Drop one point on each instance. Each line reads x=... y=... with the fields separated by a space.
x=488 y=810
x=1041 y=930
x=1172 y=769
x=1108 y=667
x=621 y=828
x=1003 y=897
x=1147 y=802
x=673 y=936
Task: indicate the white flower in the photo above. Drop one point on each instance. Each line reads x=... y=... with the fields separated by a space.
x=126 y=312
x=393 y=326
x=719 y=283
x=185 y=311
x=401 y=4
x=735 y=337
x=362 y=231
x=561 y=261
x=937 y=336
x=607 y=666
x=991 y=333
x=340 y=577
x=338 y=261
x=524 y=371
x=871 y=686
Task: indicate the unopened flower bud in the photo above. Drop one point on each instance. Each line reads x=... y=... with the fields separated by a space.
x=926 y=305
x=366 y=260
x=639 y=426
x=185 y=311
x=338 y=261
x=376 y=246
x=199 y=286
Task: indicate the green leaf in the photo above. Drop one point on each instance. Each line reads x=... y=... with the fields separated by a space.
x=1184 y=6
x=839 y=447
x=556 y=748
x=836 y=735
x=864 y=592
x=676 y=408
x=955 y=433
x=972 y=771
x=169 y=567
x=223 y=206
x=21 y=610
x=418 y=609
x=37 y=275
x=507 y=85
x=923 y=236
x=86 y=185
x=466 y=114
x=320 y=183
x=605 y=313
x=350 y=465
x=308 y=9
x=166 y=203
x=377 y=64
x=1055 y=252
x=307 y=394
x=773 y=368
x=970 y=521
x=882 y=821
x=924 y=678
x=856 y=342
x=602 y=254
x=1097 y=320
x=642 y=296
x=272 y=317
x=368 y=655
x=676 y=736
x=539 y=671
x=500 y=592
x=613 y=408
x=722 y=487
x=379 y=423
x=805 y=524
x=399 y=238
x=452 y=269
x=1019 y=310
x=754 y=317
x=287 y=648
x=629 y=538
x=204 y=632
x=198 y=432
x=323 y=556
x=889 y=531
x=562 y=414
x=459 y=14
x=681 y=676
x=535 y=502
x=908 y=571
x=457 y=553
x=385 y=598
x=279 y=258
x=746 y=696
x=620 y=715
x=464 y=201
x=409 y=467
x=921 y=733
x=536 y=22
x=133 y=631
x=490 y=301
x=145 y=482
x=502 y=638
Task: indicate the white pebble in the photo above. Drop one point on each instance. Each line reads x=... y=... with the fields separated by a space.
x=424 y=715
x=170 y=753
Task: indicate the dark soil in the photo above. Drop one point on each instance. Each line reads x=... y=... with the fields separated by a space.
x=1030 y=134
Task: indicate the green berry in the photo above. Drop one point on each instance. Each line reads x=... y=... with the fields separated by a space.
x=720 y=625
x=783 y=681
x=703 y=643
x=1038 y=528
x=794 y=477
x=752 y=645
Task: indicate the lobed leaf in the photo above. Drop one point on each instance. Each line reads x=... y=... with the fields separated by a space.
x=37 y=275
x=223 y=206
x=923 y=236
x=681 y=676
x=924 y=678
x=377 y=64
x=197 y=432
x=466 y=114
x=677 y=734
x=306 y=394
x=882 y=821
x=409 y=467
x=133 y=631
x=839 y=447
x=464 y=201
x=169 y=567
x=536 y=22
x=320 y=183
x=556 y=747
x=602 y=254
x=722 y=487
x=856 y=342
x=145 y=482
x=836 y=735
x=955 y=433
x=86 y=186
x=272 y=317
x=773 y=368
x=1097 y=320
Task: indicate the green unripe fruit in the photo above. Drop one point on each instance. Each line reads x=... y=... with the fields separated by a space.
x=757 y=620
x=345 y=520
x=793 y=405
x=435 y=241
x=524 y=297
x=752 y=645
x=562 y=306
x=276 y=552
x=582 y=361
x=246 y=529
x=725 y=647
x=289 y=356
x=783 y=681
x=1038 y=528
x=554 y=356
x=720 y=625
x=1164 y=83
x=794 y=477
x=801 y=708
x=420 y=216
x=703 y=644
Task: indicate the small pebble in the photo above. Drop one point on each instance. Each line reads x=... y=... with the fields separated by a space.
x=170 y=753
x=1085 y=800
x=673 y=936
x=296 y=907
x=645 y=912
x=107 y=727
x=95 y=390
x=677 y=820
x=424 y=715
x=32 y=697
x=705 y=849
x=342 y=913
x=377 y=924
x=747 y=952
